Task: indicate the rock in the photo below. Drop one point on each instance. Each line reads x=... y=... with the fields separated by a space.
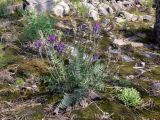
x=156 y=86
x=140 y=18
x=134 y=18
x=40 y=5
x=151 y=55
x=132 y=38
x=95 y=2
x=120 y=20
x=94 y=96
x=84 y=103
x=128 y=16
x=141 y=35
x=59 y=8
x=126 y=58
x=136 y=44
x=140 y=65
x=147 y=18
x=105 y=9
x=119 y=42
x=94 y=14
x=155 y=89
x=6 y=76
x=93 y=11
x=115 y=51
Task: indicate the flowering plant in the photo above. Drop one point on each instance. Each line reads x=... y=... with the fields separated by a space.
x=78 y=74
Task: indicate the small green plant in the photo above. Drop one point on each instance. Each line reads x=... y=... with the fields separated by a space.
x=4 y=7
x=130 y=97
x=19 y=81
x=34 y=24
x=82 y=10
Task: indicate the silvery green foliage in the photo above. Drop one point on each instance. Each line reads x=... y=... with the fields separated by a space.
x=76 y=78
x=77 y=73
x=130 y=97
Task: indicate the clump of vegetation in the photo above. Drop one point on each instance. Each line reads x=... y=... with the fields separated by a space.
x=130 y=97
x=78 y=75
x=34 y=24
x=82 y=72
x=5 y=7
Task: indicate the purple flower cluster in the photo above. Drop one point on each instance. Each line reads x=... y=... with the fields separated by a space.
x=96 y=57
x=96 y=28
x=59 y=47
x=38 y=44
x=52 y=38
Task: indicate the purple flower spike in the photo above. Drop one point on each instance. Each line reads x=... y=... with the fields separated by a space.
x=96 y=28
x=52 y=38
x=96 y=57
x=59 y=47
x=37 y=44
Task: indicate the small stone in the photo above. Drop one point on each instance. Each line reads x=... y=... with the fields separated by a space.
x=141 y=35
x=134 y=18
x=120 y=20
x=140 y=18
x=84 y=103
x=126 y=58
x=156 y=86
x=94 y=96
x=147 y=18
x=136 y=44
x=128 y=16
x=140 y=65
x=151 y=55
x=115 y=51
x=119 y=42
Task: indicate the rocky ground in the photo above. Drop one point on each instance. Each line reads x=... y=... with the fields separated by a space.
x=129 y=36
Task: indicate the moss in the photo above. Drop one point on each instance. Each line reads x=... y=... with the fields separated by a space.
x=153 y=74
x=4 y=85
x=142 y=57
x=19 y=81
x=34 y=113
x=33 y=66
x=104 y=43
x=9 y=95
x=54 y=98
x=92 y=112
x=126 y=69
x=9 y=55
x=9 y=59
x=4 y=12
x=12 y=50
x=88 y=113
x=38 y=114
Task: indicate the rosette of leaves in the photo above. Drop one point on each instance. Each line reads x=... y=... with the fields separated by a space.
x=130 y=97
